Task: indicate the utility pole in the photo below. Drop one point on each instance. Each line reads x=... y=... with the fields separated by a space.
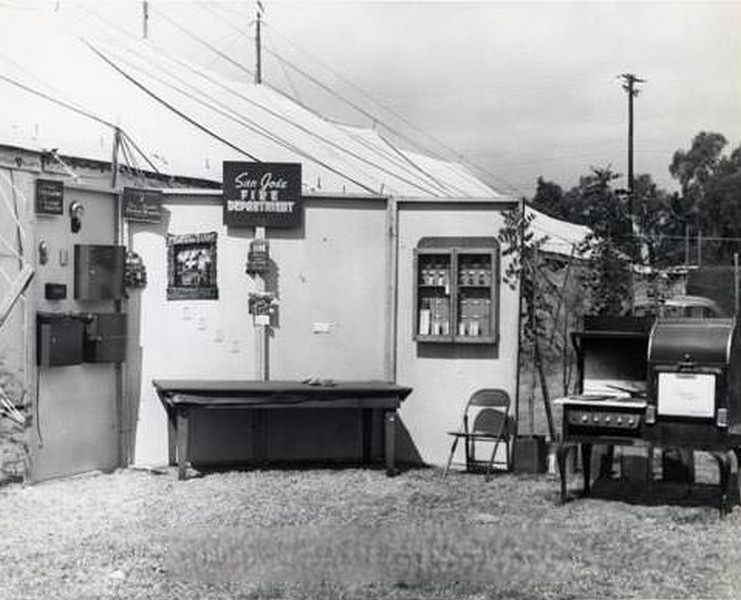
x=629 y=85
x=258 y=44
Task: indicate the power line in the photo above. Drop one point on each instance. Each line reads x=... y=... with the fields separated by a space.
x=264 y=131
x=253 y=127
x=375 y=119
x=208 y=45
x=298 y=125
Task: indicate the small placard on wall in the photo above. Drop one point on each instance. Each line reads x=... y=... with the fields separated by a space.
x=49 y=197
x=142 y=206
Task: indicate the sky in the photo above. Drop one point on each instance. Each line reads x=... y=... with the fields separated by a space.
x=519 y=89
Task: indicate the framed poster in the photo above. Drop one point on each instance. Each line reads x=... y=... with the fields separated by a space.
x=191 y=267
x=262 y=194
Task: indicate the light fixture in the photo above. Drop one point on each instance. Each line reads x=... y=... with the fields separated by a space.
x=76 y=211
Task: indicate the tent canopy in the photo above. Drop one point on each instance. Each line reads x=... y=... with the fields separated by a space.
x=68 y=93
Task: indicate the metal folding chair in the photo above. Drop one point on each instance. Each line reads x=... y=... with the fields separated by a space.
x=485 y=419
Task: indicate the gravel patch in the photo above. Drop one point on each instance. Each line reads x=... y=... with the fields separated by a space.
x=354 y=533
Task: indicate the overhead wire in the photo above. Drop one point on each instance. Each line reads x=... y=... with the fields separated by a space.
x=284 y=62
x=284 y=118
x=394 y=158
x=68 y=105
x=170 y=106
x=234 y=115
x=255 y=128
x=289 y=81
x=387 y=109
x=208 y=45
x=416 y=166
x=295 y=124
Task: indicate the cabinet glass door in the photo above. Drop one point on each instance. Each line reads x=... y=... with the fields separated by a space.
x=474 y=302
x=434 y=285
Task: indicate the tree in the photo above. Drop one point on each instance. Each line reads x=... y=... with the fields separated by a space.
x=528 y=266
x=710 y=191
x=609 y=246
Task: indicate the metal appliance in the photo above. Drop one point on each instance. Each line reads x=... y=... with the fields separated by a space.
x=610 y=404
x=677 y=386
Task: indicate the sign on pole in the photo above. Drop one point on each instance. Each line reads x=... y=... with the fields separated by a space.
x=262 y=194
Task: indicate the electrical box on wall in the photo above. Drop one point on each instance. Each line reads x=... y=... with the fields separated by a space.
x=99 y=272
x=105 y=337
x=59 y=339
x=55 y=291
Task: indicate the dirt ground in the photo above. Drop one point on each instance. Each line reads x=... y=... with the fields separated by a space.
x=354 y=533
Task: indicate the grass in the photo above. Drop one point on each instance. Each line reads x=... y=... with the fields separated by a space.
x=355 y=533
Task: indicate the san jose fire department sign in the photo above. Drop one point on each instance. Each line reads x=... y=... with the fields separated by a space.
x=262 y=194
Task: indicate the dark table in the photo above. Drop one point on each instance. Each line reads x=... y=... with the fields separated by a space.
x=180 y=396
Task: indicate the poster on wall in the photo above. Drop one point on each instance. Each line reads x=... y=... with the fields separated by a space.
x=142 y=206
x=191 y=267
x=49 y=197
x=262 y=194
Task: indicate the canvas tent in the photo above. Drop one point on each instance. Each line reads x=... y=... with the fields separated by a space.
x=72 y=106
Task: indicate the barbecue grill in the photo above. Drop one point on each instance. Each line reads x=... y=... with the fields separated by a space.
x=677 y=385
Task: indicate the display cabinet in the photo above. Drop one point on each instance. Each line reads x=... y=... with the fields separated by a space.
x=456 y=291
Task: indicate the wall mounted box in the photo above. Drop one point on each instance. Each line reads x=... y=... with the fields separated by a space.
x=99 y=272
x=105 y=338
x=55 y=291
x=59 y=340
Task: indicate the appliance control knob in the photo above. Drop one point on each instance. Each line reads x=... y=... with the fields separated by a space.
x=596 y=418
x=584 y=418
x=607 y=419
x=620 y=420
x=630 y=421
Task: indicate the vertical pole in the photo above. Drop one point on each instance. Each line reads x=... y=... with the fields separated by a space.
x=392 y=269
x=631 y=200
x=687 y=245
x=521 y=242
x=258 y=48
x=261 y=331
x=699 y=247
x=735 y=284
x=145 y=19
x=629 y=86
x=534 y=366
x=121 y=420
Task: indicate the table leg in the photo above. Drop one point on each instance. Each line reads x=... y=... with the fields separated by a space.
x=182 y=440
x=562 y=455
x=366 y=421
x=172 y=430
x=586 y=458
x=390 y=441
x=728 y=470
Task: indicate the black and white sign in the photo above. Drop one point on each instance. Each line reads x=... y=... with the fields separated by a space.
x=49 y=197
x=262 y=194
x=143 y=206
